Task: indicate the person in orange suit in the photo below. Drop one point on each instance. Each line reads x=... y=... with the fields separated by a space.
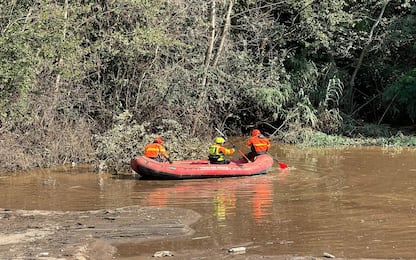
x=258 y=144
x=157 y=151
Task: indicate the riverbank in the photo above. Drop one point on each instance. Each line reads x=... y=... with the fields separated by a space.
x=82 y=235
x=27 y=234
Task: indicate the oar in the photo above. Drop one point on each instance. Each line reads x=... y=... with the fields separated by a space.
x=282 y=165
x=223 y=135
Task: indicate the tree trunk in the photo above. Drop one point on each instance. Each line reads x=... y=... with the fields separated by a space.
x=210 y=48
x=199 y=113
x=224 y=32
x=364 y=51
x=58 y=77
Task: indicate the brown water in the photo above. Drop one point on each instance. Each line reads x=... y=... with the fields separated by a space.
x=353 y=202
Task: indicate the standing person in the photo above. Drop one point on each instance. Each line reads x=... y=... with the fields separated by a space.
x=258 y=144
x=217 y=152
x=156 y=151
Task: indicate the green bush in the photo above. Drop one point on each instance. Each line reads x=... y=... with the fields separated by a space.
x=402 y=95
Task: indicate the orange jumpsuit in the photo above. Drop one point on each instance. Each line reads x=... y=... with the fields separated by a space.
x=155 y=151
x=258 y=145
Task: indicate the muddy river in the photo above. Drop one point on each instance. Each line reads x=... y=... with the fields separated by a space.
x=349 y=202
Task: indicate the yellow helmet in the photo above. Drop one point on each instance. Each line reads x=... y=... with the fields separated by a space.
x=219 y=140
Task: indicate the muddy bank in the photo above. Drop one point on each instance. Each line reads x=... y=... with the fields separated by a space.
x=93 y=234
x=87 y=234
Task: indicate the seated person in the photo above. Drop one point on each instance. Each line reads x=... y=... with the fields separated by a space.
x=258 y=144
x=217 y=152
x=156 y=151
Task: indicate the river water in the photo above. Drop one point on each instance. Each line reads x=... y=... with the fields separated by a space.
x=356 y=202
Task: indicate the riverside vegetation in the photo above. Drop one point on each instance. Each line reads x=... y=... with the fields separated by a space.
x=93 y=81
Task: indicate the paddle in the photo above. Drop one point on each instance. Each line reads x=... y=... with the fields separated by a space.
x=281 y=164
x=223 y=135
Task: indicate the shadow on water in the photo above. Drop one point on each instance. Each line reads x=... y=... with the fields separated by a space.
x=351 y=202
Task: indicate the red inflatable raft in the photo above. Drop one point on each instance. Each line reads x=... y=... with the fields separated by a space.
x=194 y=169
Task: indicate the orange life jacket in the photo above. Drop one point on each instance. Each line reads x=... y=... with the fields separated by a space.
x=154 y=150
x=258 y=144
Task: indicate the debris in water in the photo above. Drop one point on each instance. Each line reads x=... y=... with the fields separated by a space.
x=237 y=250
x=162 y=254
x=328 y=255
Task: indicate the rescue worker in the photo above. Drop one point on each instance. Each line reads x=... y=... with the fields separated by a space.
x=217 y=152
x=258 y=144
x=157 y=151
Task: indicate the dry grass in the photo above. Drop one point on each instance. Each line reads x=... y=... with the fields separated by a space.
x=59 y=143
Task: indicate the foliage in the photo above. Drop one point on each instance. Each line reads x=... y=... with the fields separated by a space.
x=330 y=120
x=36 y=145
x=127 y=139
x=402 y=93
x=368 y=135
x=285 y=66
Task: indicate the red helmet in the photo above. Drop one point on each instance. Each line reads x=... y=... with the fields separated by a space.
x=255 y=132
x=158 y=140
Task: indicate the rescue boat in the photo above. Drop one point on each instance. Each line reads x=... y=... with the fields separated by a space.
x=197 y=169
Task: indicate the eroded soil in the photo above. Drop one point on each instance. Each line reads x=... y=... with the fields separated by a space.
x=86 y=235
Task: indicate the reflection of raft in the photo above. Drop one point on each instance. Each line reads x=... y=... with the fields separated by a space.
x=194 y=169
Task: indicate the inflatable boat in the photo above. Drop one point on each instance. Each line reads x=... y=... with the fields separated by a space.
x=194 y=169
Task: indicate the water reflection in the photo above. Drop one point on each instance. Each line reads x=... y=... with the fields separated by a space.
x=222 y=193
